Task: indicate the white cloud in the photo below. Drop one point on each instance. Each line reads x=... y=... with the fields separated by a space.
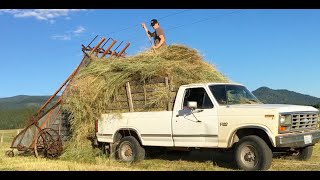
x=79 y=30
x=68 y=35
x=40 y=14
x=61 y=37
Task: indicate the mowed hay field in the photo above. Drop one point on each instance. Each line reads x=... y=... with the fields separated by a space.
x=196 y=161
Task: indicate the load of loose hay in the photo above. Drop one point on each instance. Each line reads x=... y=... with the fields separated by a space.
x=95 y=89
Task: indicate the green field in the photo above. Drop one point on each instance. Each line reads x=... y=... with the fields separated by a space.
x=195 y=161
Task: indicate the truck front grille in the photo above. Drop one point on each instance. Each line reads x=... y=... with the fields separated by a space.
x=304 y=121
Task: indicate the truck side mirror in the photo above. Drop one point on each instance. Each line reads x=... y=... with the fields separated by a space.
x=192 y=105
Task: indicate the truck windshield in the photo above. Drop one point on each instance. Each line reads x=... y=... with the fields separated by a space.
x=233 y=94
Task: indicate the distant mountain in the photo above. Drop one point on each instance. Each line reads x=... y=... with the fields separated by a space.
x=22 y=101
x=15 y=111
x=283 y=96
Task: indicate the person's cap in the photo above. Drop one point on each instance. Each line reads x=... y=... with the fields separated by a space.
x=153 y=22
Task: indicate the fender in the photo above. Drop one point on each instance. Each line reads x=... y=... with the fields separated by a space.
x=252 y=126
x=125 y=130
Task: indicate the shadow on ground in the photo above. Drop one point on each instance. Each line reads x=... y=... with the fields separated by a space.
x=222 y=159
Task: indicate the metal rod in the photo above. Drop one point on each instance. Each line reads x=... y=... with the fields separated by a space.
x=121 y=52
x=118 y=46
x=108 y=49
x=114 y=51
x=150 y=41
x=92 y=40
x=57 y=91
x=97 y=46
x=105 y=43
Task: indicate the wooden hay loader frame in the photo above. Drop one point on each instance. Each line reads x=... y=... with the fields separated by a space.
x=48 y=128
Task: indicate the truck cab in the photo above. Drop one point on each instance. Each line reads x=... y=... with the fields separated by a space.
x=214 y=116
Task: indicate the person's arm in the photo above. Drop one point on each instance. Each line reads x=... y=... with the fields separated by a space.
x=162 y=40
x=150 y=34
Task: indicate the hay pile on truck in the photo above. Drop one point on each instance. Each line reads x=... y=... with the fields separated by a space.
x=139 y=83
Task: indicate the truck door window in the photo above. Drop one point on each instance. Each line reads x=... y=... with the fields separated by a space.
x=200 y=96
x=219 y=93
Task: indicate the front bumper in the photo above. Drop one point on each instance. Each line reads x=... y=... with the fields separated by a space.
x=298 y=140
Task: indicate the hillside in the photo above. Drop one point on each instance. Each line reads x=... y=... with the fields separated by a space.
x=283 y=96
x=15 y=111
x=22 y=101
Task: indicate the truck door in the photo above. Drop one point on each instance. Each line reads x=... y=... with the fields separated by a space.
x=195 y=128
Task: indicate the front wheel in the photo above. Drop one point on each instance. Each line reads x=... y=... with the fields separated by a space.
x=252 y=153
x=303 y=154
x=130 y=150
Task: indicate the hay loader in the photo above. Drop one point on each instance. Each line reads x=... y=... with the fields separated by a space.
x=48 y=128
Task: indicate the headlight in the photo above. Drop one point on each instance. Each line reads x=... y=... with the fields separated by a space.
x=284 y=122
x=282 y=119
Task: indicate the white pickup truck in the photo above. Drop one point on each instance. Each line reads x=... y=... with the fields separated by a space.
x=214 y=116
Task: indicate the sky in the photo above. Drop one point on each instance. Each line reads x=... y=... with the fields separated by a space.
x=276 y=48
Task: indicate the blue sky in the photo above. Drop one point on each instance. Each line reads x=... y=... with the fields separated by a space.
x=276 y=48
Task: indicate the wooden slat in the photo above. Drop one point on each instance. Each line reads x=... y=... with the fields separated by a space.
x=150 y=81
x=129 y=97
x=141 y=97
x=156 y=80
x=167 y=85
x=140 y=106
x=138 y=96
x=135 y=91
x=135 y=97
x=144 y=92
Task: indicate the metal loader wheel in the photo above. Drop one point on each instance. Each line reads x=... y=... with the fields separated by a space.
x=48 y=144
x=10 y=153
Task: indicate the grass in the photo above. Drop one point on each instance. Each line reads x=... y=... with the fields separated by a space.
x=196 y=161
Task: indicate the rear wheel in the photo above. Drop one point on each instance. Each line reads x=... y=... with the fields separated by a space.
x=129 y=150
x=252 y=153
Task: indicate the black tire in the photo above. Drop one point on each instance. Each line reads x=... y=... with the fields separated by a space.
x=304 y=154
x=129 y=150
x=252 y=153
x=113 y=147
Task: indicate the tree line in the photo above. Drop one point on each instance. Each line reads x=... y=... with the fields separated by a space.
x=16 y=118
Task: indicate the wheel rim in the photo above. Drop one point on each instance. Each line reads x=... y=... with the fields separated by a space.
x=126 y=152
x=48 y=144
x=249 y=156
x=40 y=146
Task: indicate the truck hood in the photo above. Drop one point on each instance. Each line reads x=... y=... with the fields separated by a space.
x=277 y=107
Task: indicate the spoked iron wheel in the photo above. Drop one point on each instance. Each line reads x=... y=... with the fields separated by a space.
x=10 y=153
x=48 y=144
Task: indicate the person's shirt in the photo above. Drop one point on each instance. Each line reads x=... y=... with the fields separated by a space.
x=159 y=31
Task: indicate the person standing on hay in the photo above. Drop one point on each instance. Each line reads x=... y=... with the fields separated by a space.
x=158 y=34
